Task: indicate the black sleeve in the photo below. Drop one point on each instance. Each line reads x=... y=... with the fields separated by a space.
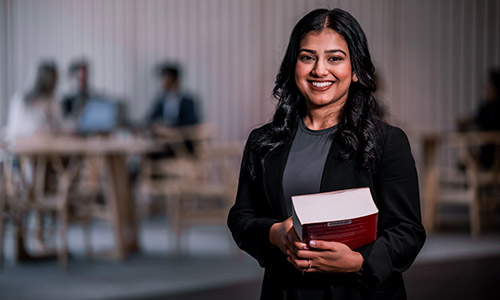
x=250 y=219
x=401 y=234
x=188 y=114
x=67 y=106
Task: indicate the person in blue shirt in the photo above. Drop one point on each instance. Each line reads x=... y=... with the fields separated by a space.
x=171 y=107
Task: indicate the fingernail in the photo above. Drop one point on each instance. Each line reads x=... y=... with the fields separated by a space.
x=312 y=243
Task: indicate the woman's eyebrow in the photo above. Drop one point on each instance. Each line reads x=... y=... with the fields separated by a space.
x=326 y=51
x=308 y=50
x=335 y=50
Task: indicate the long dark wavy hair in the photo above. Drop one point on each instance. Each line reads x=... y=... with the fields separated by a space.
x=356 y=132
x=45 y=81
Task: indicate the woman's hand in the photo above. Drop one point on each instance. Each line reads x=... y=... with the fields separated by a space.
x=283 y=235
x=326 y=257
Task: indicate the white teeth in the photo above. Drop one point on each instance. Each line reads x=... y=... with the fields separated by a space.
x=321 y=84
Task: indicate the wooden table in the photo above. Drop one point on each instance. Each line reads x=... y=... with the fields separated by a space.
x=114 y=152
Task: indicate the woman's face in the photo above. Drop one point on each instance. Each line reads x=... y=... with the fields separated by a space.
x=323 y=72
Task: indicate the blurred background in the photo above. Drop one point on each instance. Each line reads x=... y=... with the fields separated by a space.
x=434 y=63
x=432 y=57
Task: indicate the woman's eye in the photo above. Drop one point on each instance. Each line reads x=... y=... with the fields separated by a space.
x=336 y=58
x=306 y=58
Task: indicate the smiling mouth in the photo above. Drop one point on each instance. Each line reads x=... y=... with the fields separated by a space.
x=321 y=84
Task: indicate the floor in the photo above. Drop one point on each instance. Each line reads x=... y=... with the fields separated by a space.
x=209 y=266
x=467 y=278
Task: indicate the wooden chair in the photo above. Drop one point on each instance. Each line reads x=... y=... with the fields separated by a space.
x=7 y=194
x=455 y=176
x=24 y=182
x=160 y=175
x=14 y=192
x=206 y=198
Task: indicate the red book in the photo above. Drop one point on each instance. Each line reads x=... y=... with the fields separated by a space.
x=345 y=216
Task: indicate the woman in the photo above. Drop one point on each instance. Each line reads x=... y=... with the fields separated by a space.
x=327 y=134
x=37 y=112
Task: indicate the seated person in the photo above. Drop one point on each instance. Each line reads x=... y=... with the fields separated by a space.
x=487 y=117
x=74 y=103
x=36 y=112
x=171 y=107
x=89 y=111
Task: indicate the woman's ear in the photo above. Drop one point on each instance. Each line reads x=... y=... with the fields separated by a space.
x=354 y=77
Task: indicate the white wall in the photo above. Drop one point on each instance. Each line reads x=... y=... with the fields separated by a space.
x=432 y=56
x=3 y=61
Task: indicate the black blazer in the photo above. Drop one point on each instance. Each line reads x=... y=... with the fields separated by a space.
x=187 y=111
x=394 y=185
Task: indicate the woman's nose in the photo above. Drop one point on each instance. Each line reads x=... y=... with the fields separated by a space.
x=320 y=69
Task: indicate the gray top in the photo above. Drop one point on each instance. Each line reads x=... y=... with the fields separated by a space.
x=306 y=161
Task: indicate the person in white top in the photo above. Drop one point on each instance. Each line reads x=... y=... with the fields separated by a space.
x=36 y=112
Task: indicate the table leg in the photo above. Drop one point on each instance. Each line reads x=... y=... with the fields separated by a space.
x=122 y=191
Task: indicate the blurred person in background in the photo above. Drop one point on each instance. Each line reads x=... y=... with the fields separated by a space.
x=172 y=108
x=487 y=116
x=328 y=133
x=89 y=111
x=73 y=104
x=36 y=112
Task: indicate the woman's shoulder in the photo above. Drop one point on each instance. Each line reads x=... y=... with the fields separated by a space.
x=385 y=129
x=390 y=135
x=257 y=132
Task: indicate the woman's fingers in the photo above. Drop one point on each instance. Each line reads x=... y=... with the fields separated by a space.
x=324 y=245
x=294 y=240
x=301 y=264
x=306 y=254
x=299 y=246
x=289 y=244
x=284 y=236
x=328 y=257
x=292 y=235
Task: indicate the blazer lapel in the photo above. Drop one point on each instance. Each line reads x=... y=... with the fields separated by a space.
x=273 y=179
x=337 y=173
x=340 y=174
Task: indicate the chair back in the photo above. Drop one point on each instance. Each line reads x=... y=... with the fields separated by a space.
x=463 y=169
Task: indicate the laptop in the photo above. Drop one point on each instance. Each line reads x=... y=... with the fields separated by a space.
x=98 y=116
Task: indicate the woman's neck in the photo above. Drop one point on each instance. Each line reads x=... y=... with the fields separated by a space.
x=318 y=119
